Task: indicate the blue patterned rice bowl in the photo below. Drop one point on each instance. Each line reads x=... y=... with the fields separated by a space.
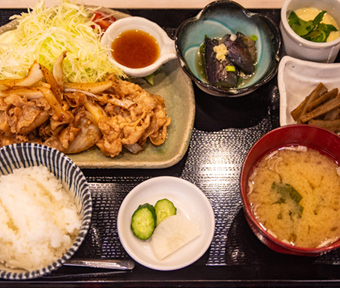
x=25 y=155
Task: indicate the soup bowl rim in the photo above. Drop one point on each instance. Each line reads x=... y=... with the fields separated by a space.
x=264 y=236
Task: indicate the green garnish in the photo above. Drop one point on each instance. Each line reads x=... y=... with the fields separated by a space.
x=312 y=30
x=287 y=191
x=149 y=79
x=253 y=37
x=230 y=68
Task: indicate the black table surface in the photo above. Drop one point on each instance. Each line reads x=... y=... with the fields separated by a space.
x=224 y=131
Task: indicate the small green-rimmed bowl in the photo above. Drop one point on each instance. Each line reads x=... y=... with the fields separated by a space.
x=227 y=17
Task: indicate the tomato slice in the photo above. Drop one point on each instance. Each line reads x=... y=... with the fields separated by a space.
x=103 y=19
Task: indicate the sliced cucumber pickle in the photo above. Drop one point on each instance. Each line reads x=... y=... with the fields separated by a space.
x=164 y=208
x=143 y=221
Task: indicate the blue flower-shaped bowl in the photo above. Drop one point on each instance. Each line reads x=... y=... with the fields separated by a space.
x=28 y=154
x=227 y=17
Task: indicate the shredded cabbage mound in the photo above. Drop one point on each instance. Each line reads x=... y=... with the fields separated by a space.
x=43 y=33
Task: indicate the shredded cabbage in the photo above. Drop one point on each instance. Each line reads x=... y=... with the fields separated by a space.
x=43 y=33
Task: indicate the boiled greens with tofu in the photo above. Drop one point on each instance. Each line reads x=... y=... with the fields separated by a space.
x=313 y=30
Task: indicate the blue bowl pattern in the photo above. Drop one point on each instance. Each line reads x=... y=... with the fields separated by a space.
x=29 y=154
x=217 y=19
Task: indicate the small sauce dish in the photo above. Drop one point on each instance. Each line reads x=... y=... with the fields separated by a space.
x=166 y=44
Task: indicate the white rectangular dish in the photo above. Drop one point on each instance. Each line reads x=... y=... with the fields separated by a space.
x=297 y=78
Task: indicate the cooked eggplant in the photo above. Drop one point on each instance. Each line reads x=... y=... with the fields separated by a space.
x=228 y=60
x=239 y=51
x=251 y=46
x=215 y=70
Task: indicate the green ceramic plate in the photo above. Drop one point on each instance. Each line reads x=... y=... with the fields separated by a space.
x=176 y=88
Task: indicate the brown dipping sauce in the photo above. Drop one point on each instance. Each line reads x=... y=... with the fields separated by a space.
x=135 y=49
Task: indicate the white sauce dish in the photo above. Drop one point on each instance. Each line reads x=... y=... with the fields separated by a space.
x=166 y=44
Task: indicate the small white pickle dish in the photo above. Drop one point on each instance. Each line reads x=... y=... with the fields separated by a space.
x=167 y=49
x=190 y=202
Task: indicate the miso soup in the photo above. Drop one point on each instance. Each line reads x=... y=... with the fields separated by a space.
x=295 y=194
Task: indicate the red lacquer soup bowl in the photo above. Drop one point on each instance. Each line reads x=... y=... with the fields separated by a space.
x=313 y=137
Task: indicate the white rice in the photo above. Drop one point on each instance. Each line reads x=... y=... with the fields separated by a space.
x=38 y=219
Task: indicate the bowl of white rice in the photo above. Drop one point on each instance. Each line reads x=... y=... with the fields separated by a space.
x=45 y=210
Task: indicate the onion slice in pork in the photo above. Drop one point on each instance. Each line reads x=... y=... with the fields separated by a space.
x=55 y=88
x=133 y=148
x=95 y=109
x=124 y=103
x=94 y=88
x=63 y=116
x=34 y=75
x=58 y=69
x=29 y=92
x=88 y=136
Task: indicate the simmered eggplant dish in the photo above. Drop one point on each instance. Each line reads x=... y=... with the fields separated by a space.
x=229 y=61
